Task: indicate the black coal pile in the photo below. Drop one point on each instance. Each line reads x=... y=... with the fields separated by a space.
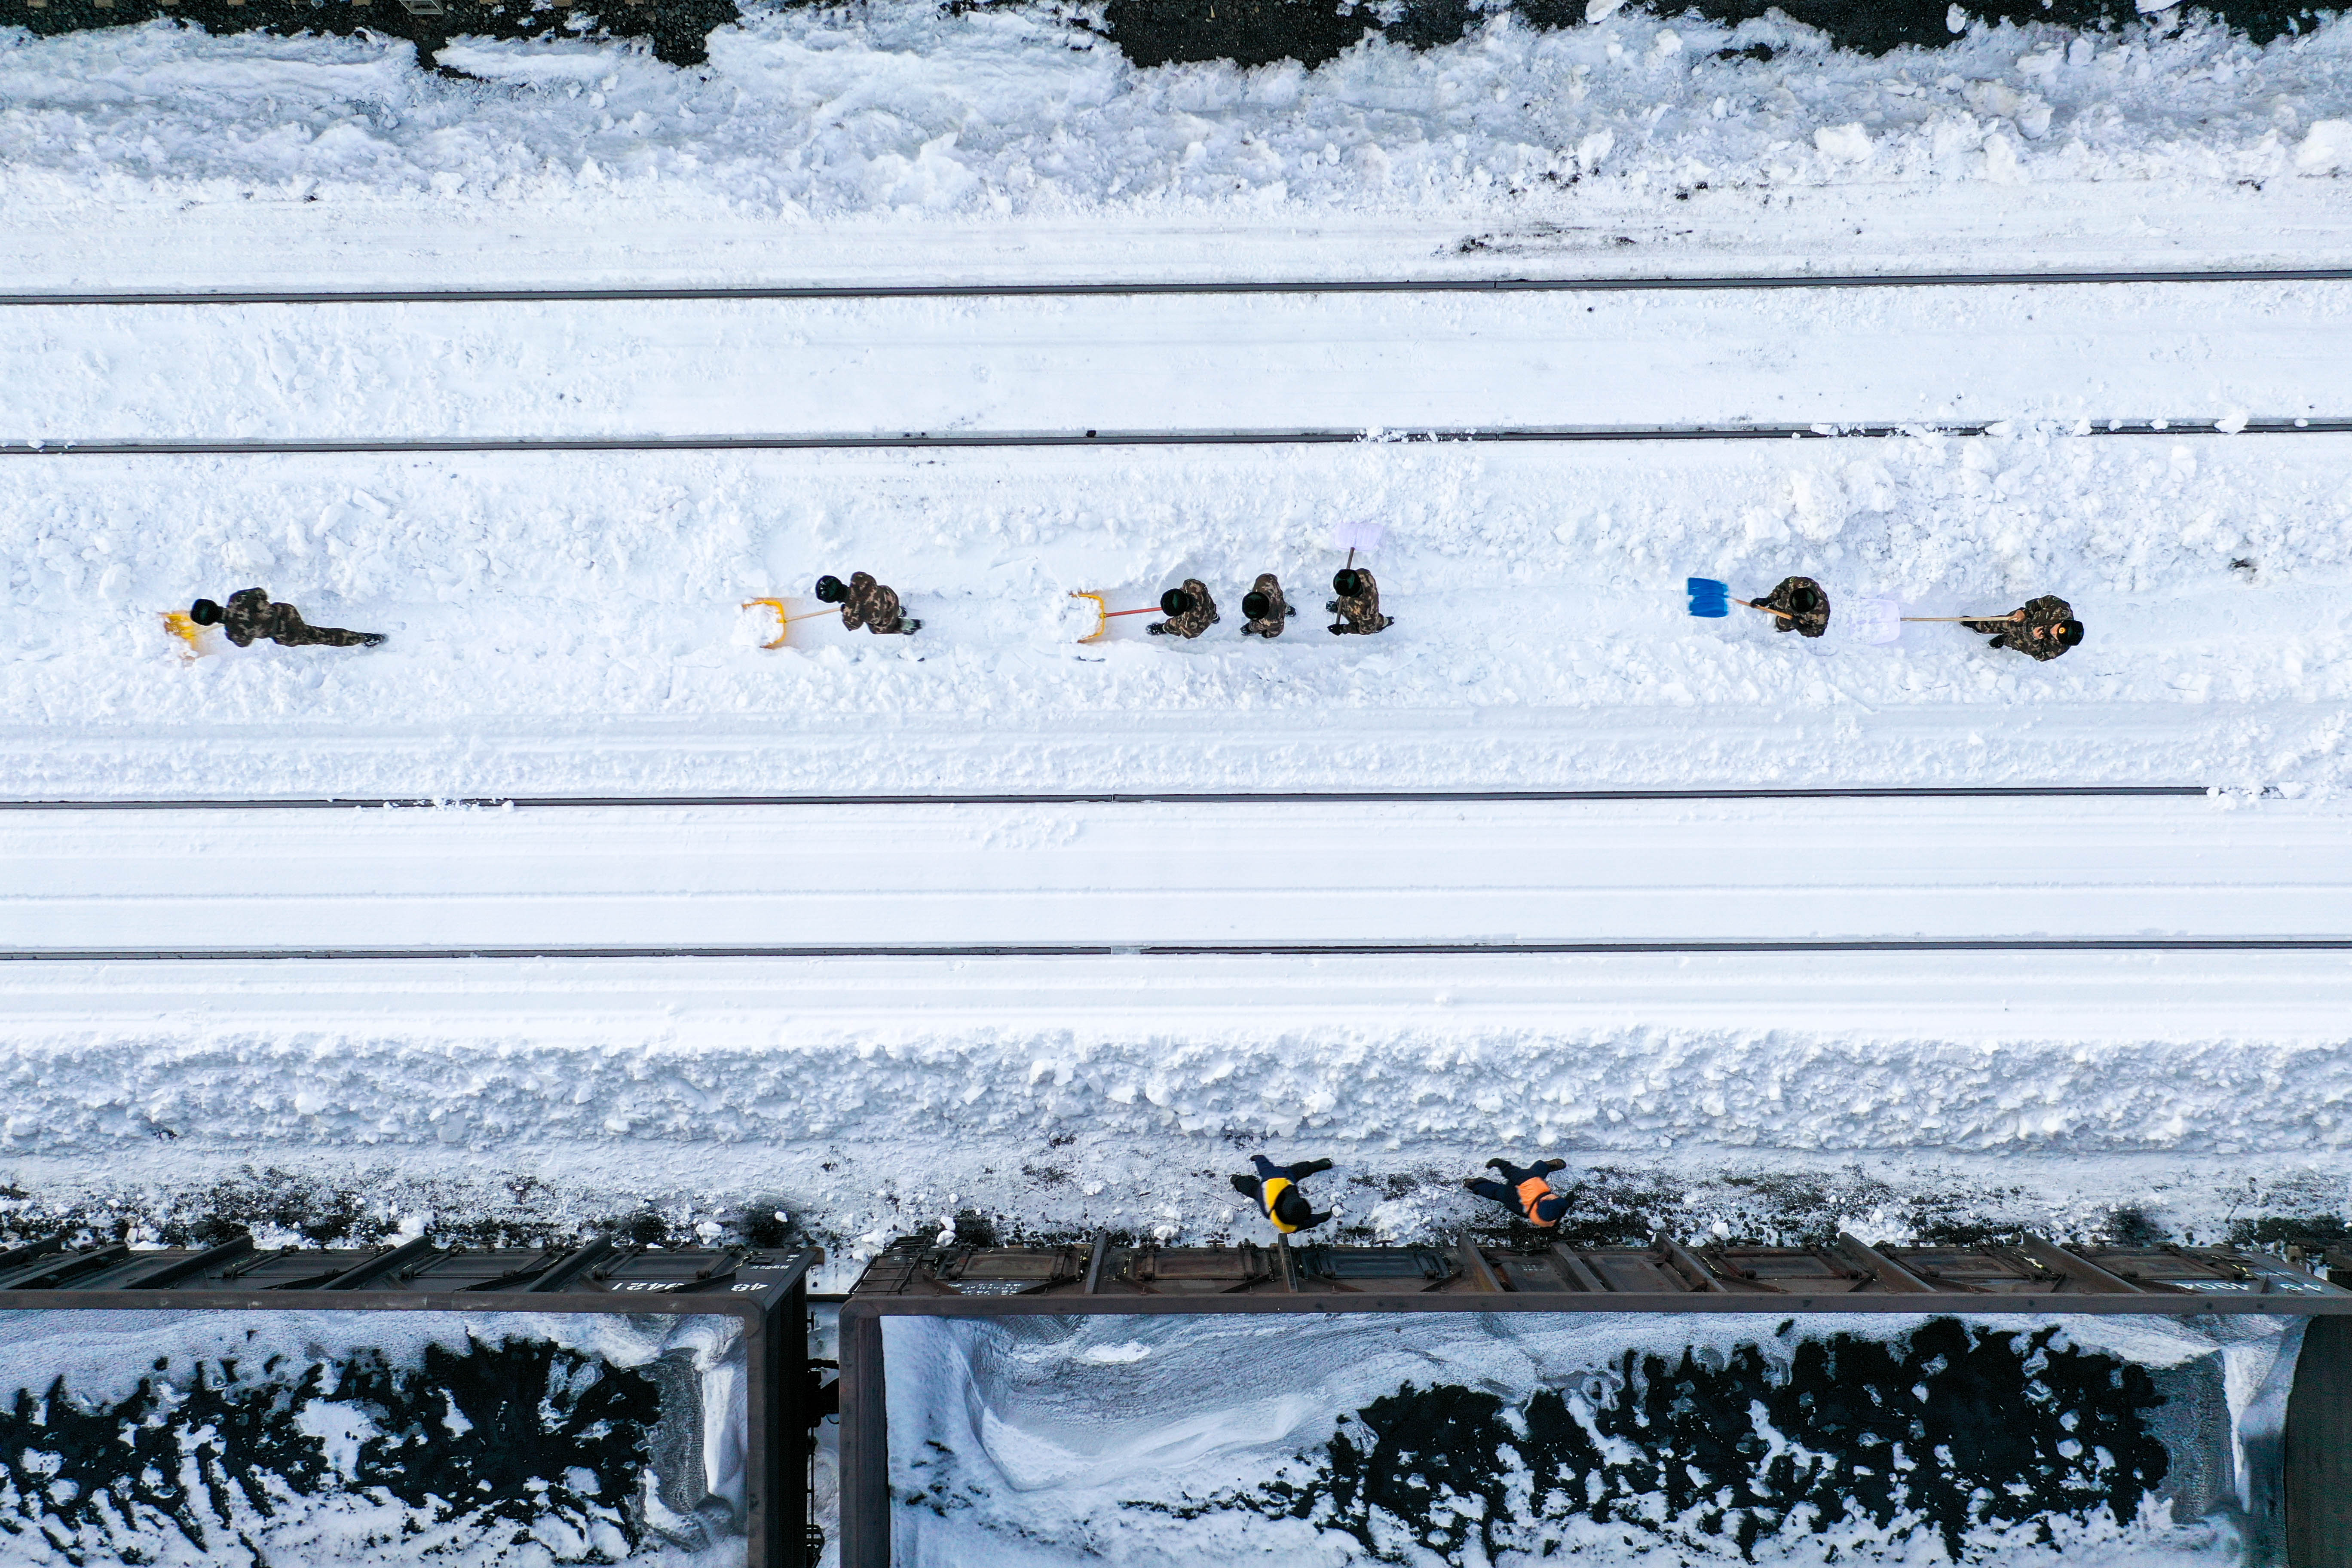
x=1959 y=1436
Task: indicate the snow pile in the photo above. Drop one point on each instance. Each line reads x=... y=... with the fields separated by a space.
x=1414 y=1091
x=901 y=106
x=250 y=1437
x=1072 y=1131
x=1514 y=1437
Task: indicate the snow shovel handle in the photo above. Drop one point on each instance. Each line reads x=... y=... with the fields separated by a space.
x=2014 y=616
x=1147 y=610
x=1784 y=614
x=778 y=605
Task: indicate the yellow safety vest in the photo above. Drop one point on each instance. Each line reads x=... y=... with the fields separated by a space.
x=1268 y=1191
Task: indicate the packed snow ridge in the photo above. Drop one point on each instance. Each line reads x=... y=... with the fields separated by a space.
x=899 y=108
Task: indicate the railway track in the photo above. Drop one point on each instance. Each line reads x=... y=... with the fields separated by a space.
x=1294 y=366
x=1306 y=877
x=1710 y=283
x=1175 y=950
x=1124 y=797
x=138 y=446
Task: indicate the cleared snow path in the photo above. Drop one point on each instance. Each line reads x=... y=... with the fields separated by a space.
x=2201 y=352
x=895 y=878
x=569 y=625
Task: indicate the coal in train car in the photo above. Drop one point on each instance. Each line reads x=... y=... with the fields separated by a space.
x=1469 y=1401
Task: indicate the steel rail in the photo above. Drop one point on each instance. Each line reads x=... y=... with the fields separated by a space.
x=1627 y=1304
x=1120 y=797
x=1175 y=950
x=171 y=447
x=1702 y=283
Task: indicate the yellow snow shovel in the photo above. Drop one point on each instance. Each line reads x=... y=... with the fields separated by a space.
x=177 y=623
x=1105 y=615
x=1102 y=616
x=784 y=619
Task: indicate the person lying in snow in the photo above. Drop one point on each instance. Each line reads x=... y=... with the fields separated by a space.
x=1190 y=611
x=251 y=617
x=1359 y=603
x=2042 y=628
x=1527 y=1194
x=1804 y=607
x=865 y=603
x=1267 y=610
x=1274 y=1189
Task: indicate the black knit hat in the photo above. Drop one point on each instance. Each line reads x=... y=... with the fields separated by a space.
x=1175 y=602
x=1256 y=604
x=205 y=613
x=1291 y=1207
x=831 y=590
x=1347 y=584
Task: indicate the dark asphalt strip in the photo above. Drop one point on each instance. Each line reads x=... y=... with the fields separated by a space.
x=1715 y=283
x=1184 y=949
x=1319 y=797
x=140 y=447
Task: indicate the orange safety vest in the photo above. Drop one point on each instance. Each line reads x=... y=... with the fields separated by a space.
x=1532 y=1191
x=1268 y=1191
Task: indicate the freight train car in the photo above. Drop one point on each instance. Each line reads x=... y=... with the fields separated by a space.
x=1471 y=1402
x=240 y=1404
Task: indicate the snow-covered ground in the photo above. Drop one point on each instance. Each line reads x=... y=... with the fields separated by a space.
x=1104 y=1089
x=568 y=624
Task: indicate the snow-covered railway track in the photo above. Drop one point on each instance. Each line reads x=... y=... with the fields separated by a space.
x=1134 y=797
x=1554 y=878
x=1167 y=369
x=1374 y=951
x=1274 y=437
x=1701 y=283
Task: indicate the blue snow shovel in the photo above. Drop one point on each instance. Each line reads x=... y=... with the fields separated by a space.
x=1710 y=600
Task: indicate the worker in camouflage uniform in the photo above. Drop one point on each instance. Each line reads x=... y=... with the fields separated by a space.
x=1359 y=603
x=1190 y=611
x=1526 y=1192
x=865 y=603
x=2043 y=628
x=1802 y=606
x=1267 y=608
x=1276 y=1191
x=250 y=616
